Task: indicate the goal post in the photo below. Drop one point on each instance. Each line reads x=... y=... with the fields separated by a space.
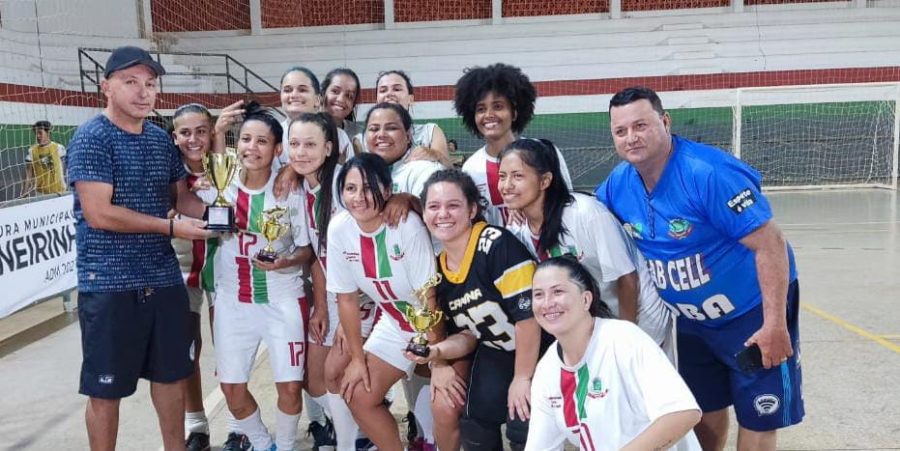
x=819 y=136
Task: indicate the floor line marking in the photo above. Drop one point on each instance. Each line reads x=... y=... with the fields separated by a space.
x=852 y=328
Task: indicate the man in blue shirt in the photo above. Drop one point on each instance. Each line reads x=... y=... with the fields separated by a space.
x=717 y=256
x=133 y=307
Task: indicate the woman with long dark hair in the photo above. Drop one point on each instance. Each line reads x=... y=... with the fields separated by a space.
x=559 y=222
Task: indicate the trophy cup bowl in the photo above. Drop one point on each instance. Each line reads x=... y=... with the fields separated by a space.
x=220 y=169
x=422 y=319
x=272 y=229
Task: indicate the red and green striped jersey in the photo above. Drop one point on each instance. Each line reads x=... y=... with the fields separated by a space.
x=235 y=275
x=195 y=257
x=386 y=265
x=622 y=384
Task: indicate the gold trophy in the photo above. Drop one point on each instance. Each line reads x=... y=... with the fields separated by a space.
x=272 y=228
x=220 y=169
x=422 y=319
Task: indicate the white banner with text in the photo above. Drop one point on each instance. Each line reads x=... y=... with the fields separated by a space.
x=37 y=252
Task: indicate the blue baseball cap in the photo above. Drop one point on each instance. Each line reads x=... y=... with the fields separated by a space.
x=128 y=56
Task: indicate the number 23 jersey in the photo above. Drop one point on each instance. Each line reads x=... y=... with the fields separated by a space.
x=491 y=291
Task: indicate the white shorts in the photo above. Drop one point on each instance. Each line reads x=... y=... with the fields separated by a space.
x=239 y=327
x=196 y=296
x=367 y=309
x=388 y=343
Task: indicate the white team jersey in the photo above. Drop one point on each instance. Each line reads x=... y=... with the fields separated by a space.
x=622 y=384
x=193 y=255
x=409 y=177
x=344 y=146
x=312 y=197
x=422 y=136
x=485 y=171
x=599 y=242
x=236 y=277
x=386 y=265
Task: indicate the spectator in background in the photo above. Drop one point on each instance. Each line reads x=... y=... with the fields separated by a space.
x=132 y=303
x=46 y=163
x=716 y=254
x=452 y=146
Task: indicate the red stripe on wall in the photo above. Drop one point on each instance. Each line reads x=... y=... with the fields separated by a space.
x=520 y=8
x=662 y=83
x=311 y=13
x=199 y=15
x=417 y=11
x=652 y=5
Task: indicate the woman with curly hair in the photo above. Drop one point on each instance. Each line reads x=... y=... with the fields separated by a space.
x=496 y=103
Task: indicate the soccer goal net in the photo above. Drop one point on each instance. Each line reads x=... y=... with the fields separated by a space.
x=819 y=136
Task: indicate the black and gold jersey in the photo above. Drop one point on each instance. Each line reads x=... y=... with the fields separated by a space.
x=491 y=291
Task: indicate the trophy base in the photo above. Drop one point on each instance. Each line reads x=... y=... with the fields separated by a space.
x=219 y=218
x=268 y=257
x=419 y=350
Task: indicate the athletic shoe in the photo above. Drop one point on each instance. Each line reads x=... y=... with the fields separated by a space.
x=416 y=444
x=197 y=441
x=412 y=428
x=364 y=444
x=323 y=436
x=236 y=442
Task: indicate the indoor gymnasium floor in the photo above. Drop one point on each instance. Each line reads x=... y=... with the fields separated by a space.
x=847 y=245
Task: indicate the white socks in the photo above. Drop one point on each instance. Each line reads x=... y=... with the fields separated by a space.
x=345 y=427
x=196 y=422
x=256 y=431
x=423 y=414
x=315 y=407
x=285 y=430
x=231 y=423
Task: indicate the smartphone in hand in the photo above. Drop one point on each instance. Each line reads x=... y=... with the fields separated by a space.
x=750 y=359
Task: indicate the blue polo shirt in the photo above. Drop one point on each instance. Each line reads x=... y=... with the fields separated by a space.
x=689 y=228
x=141 y=168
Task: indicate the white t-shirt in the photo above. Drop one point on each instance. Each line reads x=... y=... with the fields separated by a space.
x=485 y=171
x=622 y=384
x=235 y=275
x=386 y=265
x=595 y=237
x=409 y=177
x=344 y=146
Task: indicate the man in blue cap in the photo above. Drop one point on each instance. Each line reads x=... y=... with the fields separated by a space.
x=133 y=307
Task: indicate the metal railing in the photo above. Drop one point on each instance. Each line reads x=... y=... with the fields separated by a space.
x=234 y=72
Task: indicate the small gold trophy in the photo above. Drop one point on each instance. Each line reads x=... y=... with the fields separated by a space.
x=220 y=169
x=272 y=228
x=422 y=319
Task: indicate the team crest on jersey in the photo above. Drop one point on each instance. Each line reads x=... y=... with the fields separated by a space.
x=396 y=253
x=634 y=230
x=680 y=228
x=351 y=256
x=766 y=404
x=596 y=389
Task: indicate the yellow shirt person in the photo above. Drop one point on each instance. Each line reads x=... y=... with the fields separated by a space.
x=45 y=169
